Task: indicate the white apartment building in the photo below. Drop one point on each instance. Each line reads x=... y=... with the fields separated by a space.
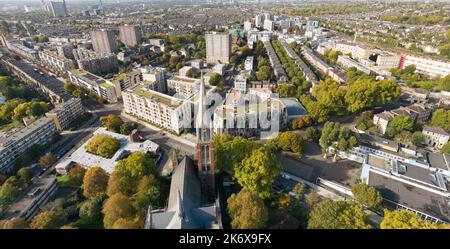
x=55 y=62
x=157 y=108
x=386 y=61
x=96 y=84
x=269 y=25
x=356 y=50
x=433 y=68
x=347 y=62
x=182 y=87
x=248 y=64
x=40 y=132
x=435 y=136
x=218 y=47
x=156 y=76
x=259 y=21
x=381 y=120
x=240 y=83
x=248 y=26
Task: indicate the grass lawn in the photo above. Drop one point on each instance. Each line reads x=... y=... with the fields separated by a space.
x=12 y=125
x=63 y=181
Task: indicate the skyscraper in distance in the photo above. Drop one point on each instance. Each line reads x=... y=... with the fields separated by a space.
x=103 y=41
x=130 y=35
x=218 y=47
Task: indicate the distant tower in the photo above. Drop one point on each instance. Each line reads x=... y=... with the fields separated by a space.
x=356 y=35
x=205 y=149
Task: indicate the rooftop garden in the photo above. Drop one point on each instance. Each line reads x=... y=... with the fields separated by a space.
x=103 y=145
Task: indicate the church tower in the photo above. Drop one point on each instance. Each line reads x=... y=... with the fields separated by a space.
x=204 y=150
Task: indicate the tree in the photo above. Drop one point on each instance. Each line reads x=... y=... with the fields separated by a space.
x=402 y=123
x=230 y=151
x=264 y=73
x=330 y=95
x=404 y=219
x=128 y=173
x=148 y=193
x=286 y=90
x=91 y=210
x=441 y=118
x=9 y=191
x=258 y=172
x=299 y=123
x=233 y=59
x=247 y=210
x=25 y=174
x=367 y=196
x=418 y=138
x=103 y=145
x=46 y=160
x=70 y=87
x=127 y=127
x=446 y=148
x=214 y=79
x=116 y=207
x=311 y=199
x=291 y=141
x=94 y=182
x=299 y=190
x=111 y=122
x=127 y=224
x=48 y=220
x=329 y=214
x=14 y=223
x=76 y=175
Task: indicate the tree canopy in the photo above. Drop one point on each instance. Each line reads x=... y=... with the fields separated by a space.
x=404 y=219
x=103 y=145
x=94 y=182
x=329 y=214
x=367 y=196
x=247 y=210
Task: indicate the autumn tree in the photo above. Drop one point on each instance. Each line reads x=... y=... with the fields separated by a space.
x=404 y=219
x=367 y=196
x=247 y=210
x=329 y=214
x=299 y=189
x=401 y=123
x=91 y=210
x=291 y=141
x=128 y=224
x=111 y=122
x=116 y=207
x=14 y=223
x=258 y=171
x=148 y=193
x=76 y=175
x=103 y=145
x=48 y=220
x=94 y=182
x=441 y=118
x=46 y=160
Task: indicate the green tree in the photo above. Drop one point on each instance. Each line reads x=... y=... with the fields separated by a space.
x=367 y=196
x=103 y=145
x=70 y=87
x=258 y=172
x=286 y=90
x=264 y=73
x=25 y=174
x=402 y=123
x=329 y=214
x=91 y=210
x=247 y=210
x=94 y=182
x=330 y=96
x=404 y=219
x=446 y=148
x=215 y=79
x=291 y=141
x=148 y=193
x=441 y=118
x=127 y=127
x=418 y=138
x=116 y=207
x=9 y=191
x=129 y=172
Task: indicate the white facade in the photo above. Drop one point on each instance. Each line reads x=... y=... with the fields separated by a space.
x=248 y=64
x=357 y=51
x=430 y=67
x=269 y=25
x=435 y=137
x=55 y=62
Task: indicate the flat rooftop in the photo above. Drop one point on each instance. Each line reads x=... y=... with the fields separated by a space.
x=88 y=160
x=379 y=162
x=142 y=90
x=411 y=196
x=185 y=79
